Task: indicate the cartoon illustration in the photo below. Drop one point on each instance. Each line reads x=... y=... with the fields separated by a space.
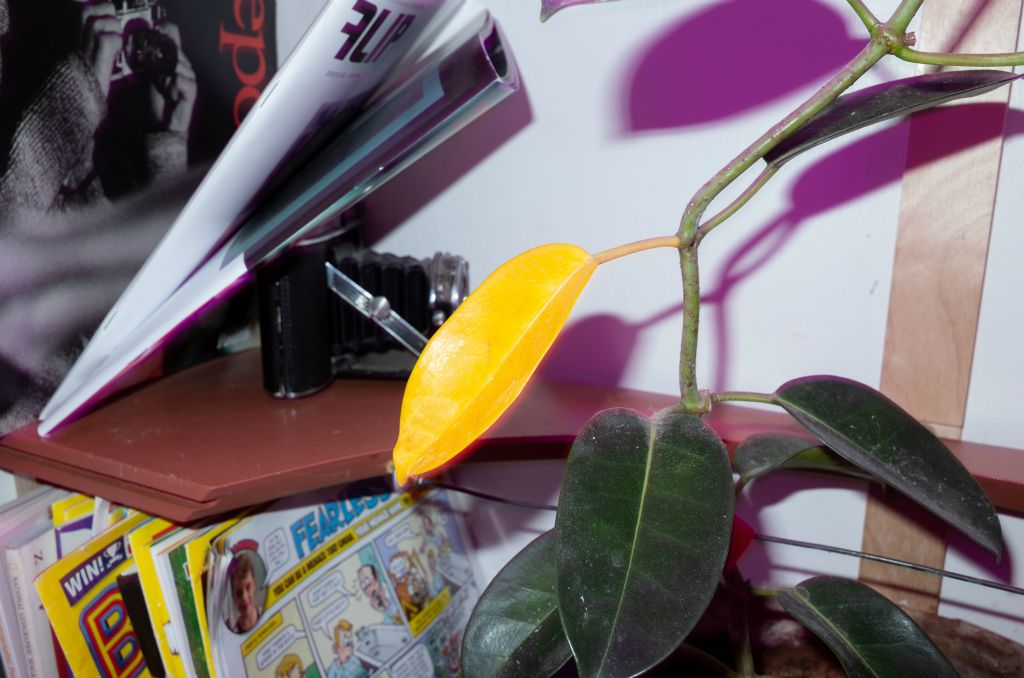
x=378 y=594
x=375 y=643
x=345 y=664
x=440 y=549
x=245 y=591
x=290 y=667
x=410 y=584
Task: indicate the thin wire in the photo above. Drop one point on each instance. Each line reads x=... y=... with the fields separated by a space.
x=763 y=538
x=489 y=497
x=893 y=561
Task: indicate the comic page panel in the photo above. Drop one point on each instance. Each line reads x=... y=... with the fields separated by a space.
x=426 y=562
x=356 y=626
x=281 y=648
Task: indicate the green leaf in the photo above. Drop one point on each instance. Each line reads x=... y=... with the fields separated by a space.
x=869 y=634
x=761 y=454
x=643 y=526
x=515 y=629
x=883 y=102
x=874 y=433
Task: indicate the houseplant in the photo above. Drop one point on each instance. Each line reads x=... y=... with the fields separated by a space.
x=646 y=510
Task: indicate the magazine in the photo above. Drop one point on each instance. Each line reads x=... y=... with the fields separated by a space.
x=104 y=106
x=453 y=86
x=349 y=582
x=349 y=50
x=27 y=555
x=188 y=561
x=84 y=605
x=140 y=540
x=177 y=636
x=23 y=523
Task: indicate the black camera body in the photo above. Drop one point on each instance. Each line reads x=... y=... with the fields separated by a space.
x=147 y=52
x=309 y=335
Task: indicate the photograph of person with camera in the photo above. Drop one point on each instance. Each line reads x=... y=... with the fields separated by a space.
x=98 y=100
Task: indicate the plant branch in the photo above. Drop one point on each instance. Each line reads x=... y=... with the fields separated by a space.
x=976 y=60
x=745 y=396
x=638 y=246
x=862 y=11
x=691 y=398
x=748 y=193
x=900 y=19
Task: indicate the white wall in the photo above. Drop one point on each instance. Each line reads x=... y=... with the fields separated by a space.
x=564 y=161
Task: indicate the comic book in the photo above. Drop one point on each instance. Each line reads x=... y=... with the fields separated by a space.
x=84 y=605
x=140 y=540
x=70 y=508
x=72 y=527
x=352 y=582
x=177 y=635
x=189 y=562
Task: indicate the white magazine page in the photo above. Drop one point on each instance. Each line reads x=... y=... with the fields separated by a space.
x=350 y=49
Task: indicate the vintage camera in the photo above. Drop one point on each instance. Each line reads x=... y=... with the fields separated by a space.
x=309 y=335
x=147 y=52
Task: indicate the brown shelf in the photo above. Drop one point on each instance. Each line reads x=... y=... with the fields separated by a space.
x=209 y=439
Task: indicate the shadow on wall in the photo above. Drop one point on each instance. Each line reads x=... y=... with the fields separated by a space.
x=670 y=86
x=406 y=194
x=597 y=350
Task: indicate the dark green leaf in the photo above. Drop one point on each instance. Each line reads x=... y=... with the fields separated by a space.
x=870 y=635
x=883 y=102
x=871 y=431
x=643 y=526
x=515 y=630
x=761 y=454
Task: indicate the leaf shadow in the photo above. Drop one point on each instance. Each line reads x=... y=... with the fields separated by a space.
x=670 y=87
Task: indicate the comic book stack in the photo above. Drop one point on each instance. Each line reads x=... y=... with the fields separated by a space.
x=344 y=582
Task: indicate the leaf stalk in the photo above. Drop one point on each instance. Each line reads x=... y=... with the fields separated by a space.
x=744 y=396
x=634 y=247
x=861 y=10
x=1000 y=59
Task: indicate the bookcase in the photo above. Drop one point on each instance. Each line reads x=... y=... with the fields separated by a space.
x=209 y=439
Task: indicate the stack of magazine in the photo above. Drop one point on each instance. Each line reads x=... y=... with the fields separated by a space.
x=370 y=88
x=350 y=581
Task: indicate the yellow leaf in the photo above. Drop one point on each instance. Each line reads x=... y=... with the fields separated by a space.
x=481 y=358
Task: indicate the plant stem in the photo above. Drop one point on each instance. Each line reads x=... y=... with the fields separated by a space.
x=862 y=11
x=900 y=19
x=977 y=60
x=764 y=592
x=638 y=246
x=692 y=400
x=741 y=200
x=688 y=228
x=745 y=396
